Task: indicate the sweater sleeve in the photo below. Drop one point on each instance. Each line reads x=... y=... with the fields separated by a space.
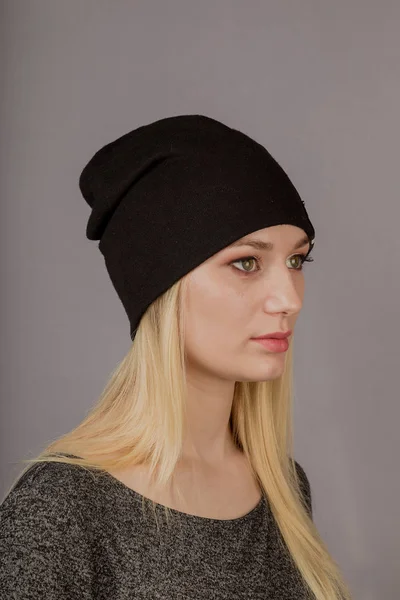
x=44 y=550
x=305 y=487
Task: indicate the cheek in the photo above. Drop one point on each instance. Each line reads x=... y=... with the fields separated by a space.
x=216 y=319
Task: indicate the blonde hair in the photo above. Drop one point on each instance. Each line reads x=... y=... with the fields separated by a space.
x=139 y=419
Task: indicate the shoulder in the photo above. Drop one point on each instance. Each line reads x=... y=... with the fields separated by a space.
x=304 y=485
x=44 y=538
x=48 y=497
x=301 y=472
x=48 y=484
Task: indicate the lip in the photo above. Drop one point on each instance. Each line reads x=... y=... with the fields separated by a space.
x=278 y=335
x=273 y=344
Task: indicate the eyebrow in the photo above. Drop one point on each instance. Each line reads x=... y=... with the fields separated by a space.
x=261 y=245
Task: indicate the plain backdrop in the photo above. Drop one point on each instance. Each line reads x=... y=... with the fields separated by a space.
x=319 y=85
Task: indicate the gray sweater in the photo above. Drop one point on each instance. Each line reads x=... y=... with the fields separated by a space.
x=68 y=534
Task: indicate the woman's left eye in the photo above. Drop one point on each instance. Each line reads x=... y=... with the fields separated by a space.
x=303 y=258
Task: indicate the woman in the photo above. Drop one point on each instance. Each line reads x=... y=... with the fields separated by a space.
x=204 y=238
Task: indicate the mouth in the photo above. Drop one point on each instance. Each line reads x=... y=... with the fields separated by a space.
x=273 y=344
x=278 y=335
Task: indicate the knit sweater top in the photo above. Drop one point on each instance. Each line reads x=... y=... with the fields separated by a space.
x=68 y=534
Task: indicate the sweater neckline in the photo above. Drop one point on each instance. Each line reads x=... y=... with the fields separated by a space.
x=184 y=515
x=188 y=517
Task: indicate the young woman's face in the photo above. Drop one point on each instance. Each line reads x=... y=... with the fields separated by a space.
x=240 y=293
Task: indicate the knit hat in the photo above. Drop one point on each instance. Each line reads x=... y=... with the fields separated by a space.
x=170 y=194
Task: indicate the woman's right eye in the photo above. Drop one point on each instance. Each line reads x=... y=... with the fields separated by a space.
x=247 y=259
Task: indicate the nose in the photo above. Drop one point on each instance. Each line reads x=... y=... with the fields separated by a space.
x=285 y=291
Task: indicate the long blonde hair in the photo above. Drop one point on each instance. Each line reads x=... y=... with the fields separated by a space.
x=139 y=419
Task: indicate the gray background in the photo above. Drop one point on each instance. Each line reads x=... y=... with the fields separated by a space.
x=318 y=84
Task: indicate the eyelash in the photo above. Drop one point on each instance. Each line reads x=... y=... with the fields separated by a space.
x=306 y=258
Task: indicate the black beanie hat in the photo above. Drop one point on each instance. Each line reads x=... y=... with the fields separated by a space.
x=168 y=195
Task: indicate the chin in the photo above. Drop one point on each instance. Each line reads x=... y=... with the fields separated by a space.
x=262 y=373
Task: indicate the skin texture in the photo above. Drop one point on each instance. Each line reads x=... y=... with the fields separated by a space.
x=225 y=306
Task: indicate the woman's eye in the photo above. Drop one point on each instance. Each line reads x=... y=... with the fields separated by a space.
x=249 y=260
x=301 y=257
x=246 y=261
